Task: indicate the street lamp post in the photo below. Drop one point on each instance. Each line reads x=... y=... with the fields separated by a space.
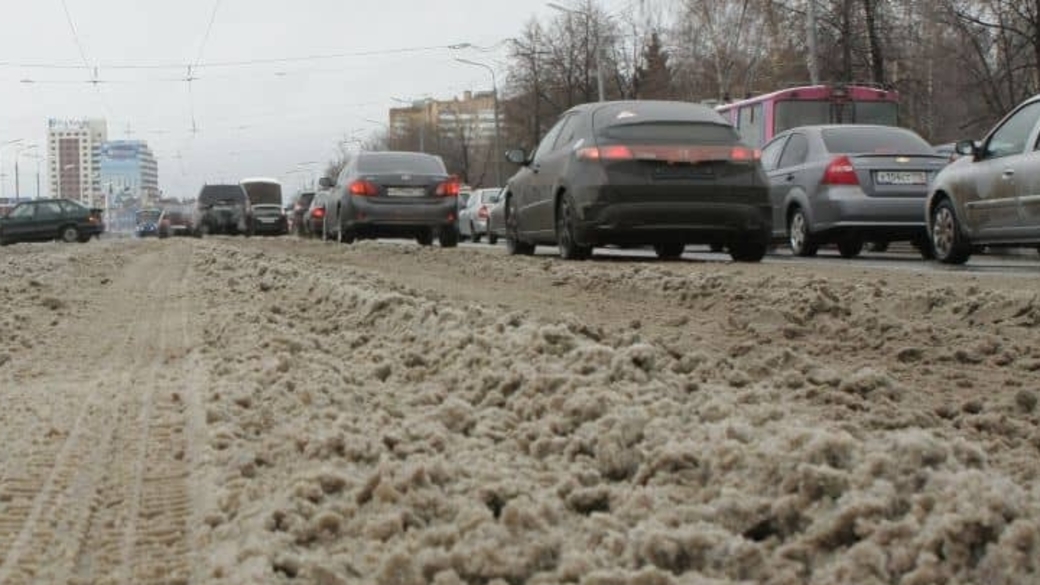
x=17 y=175
x=597 y=50
x=494 y=89
x=2 y=146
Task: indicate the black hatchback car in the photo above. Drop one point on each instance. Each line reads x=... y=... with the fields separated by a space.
x=43 y=220
x=646 y=173
x=394 y=195
x=222 y=209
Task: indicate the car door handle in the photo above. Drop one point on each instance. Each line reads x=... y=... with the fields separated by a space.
x=536 y=167
x=789 y=178
x=1008 y=173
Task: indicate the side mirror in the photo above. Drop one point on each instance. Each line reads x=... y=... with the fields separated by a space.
x=326 y=182
x=966 y=148
x=517 y=156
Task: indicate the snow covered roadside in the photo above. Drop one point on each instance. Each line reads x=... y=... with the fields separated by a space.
x=361 y=433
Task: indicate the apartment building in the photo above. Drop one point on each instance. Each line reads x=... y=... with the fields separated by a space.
x=74 y=158
x=129 y=170
x=470 y=118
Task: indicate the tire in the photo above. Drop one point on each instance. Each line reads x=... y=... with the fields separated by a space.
x=924 y=248
x=945 y=236
x=717 y=247
x=69 y=234
x=473 y=234
x=569 y=248
x=850 y=247
x=425 y=238
x=799 y=235
x=449 y=238
x=514 y=246
x=670 y=251
x=492 y=238
x=748 y=251
x=345 y=236
x=878 y=247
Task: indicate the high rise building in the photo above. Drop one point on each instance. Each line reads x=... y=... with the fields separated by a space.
x=74 y=158
x=129 y=170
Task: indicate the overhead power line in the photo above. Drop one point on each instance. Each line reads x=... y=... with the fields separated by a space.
x=75 y=35
x=239 y=63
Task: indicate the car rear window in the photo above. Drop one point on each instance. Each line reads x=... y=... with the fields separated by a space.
x=305 y=199
x=262 y=192
x=401 y=163
x=221 y=193
x=875 y=140
x=665 y=132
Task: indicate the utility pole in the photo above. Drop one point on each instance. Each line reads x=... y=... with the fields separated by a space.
x=814 y=69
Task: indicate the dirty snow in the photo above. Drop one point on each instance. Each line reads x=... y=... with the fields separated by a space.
x=393 y=415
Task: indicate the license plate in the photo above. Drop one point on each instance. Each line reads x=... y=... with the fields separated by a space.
x=900 y=178
x=406 y=192
x=267 y=220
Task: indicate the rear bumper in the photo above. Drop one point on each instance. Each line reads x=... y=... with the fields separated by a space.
x=363 y=214
x=848 y=209
x=279 y=226
x=744 y=217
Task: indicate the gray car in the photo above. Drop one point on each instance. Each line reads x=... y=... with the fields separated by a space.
x=394 y=195
x=473 y=219
x=990 y=196
x=848 y=185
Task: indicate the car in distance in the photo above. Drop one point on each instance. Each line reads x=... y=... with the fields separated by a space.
x=655 y=173
x=222 y=209
x=42 y=220
x=298 y=209
x=265 y=202
x=314 y=218
x=496 y=227
x=394 y=195
x=473 y=219
x=989 y=196
x=849 y=185
x=175 y=220
x=146 y=222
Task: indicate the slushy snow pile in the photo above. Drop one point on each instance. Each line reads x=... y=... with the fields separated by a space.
x=365 y=432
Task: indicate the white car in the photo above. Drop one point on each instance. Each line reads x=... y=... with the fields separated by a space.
x=473 y=219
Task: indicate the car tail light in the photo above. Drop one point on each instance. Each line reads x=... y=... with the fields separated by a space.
x=364 y=188
x=318 y=213
x=450 y=188
x=742 y=154
x=483 y=212
x=617 y=152
x=840 y=172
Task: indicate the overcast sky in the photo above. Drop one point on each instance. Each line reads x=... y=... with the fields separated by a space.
x=257 y=120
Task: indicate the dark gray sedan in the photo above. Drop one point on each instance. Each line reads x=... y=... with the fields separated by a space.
x=654 y=173
x=394 y=195
x=848 y=185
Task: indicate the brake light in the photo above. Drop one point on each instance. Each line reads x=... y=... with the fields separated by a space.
x=450 y=188
x=483 y=213
x=616 y=152
x=739 y=153
x=364 y=188
x=318 y=213
x=840 y=172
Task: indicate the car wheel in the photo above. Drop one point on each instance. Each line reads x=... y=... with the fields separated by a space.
x=346 y=236
x=69 y=234
x=878 y=247
x=716 y=247
x=425 y=238
x=570 y=249
x=748 y=251
x=449 y=238
x=514 y=246
x=948 y=242
x=799 y=235
x=850 y=247
x=670 y=251
x=474 y=235
x=492 y=238
x=924 y=248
